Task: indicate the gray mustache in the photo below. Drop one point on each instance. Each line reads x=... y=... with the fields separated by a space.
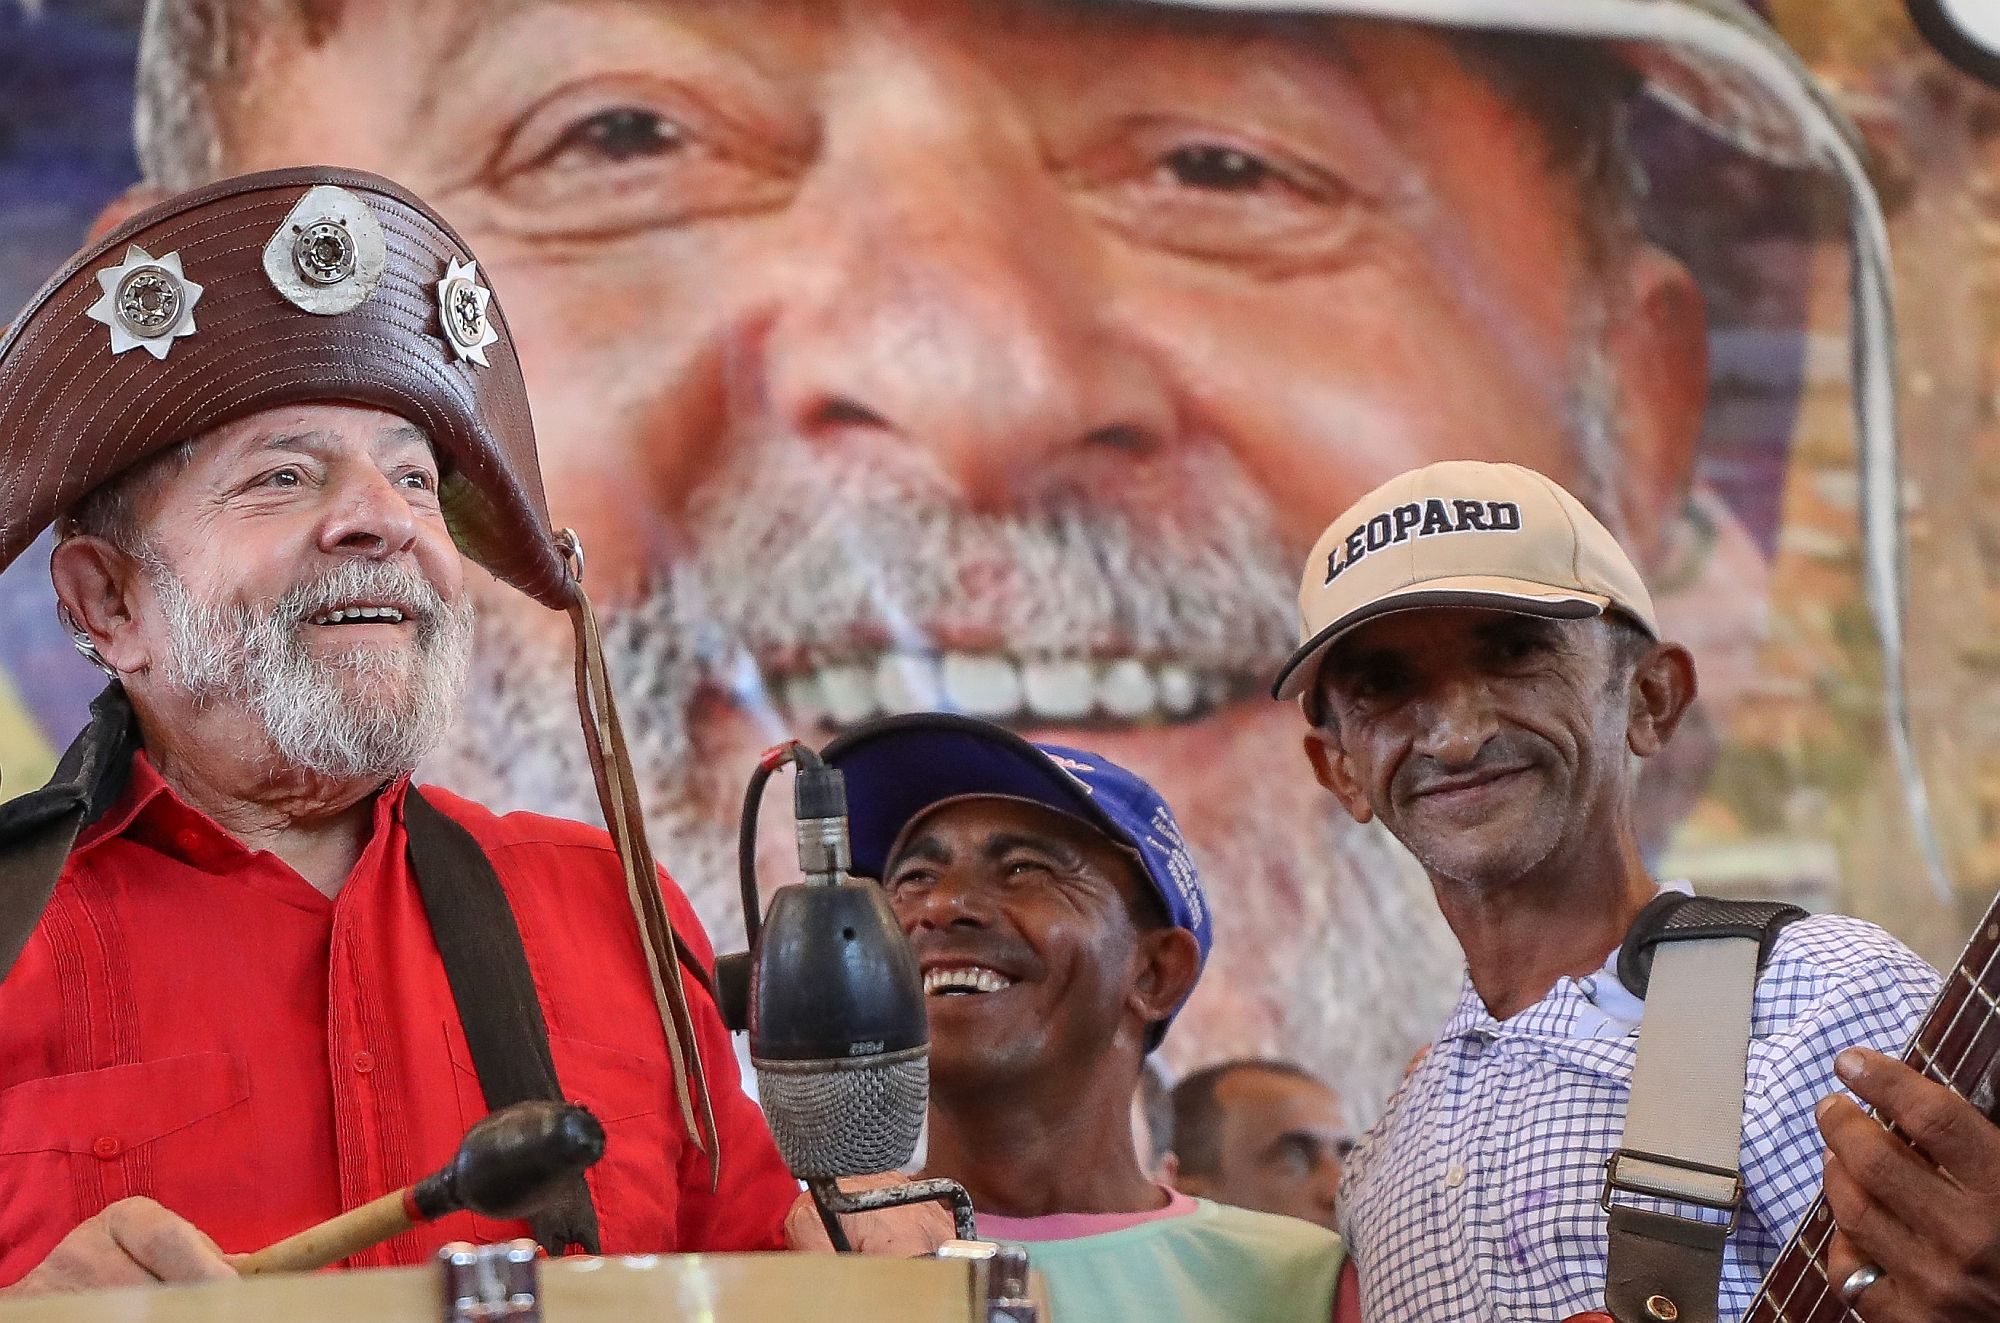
x=389 y=583
x=794 y=551
x=1505 y=752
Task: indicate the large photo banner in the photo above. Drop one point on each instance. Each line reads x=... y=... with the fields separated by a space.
x=1007 y=356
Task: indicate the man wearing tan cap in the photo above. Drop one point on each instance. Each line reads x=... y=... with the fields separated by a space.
x=1482 y=670
x=253 y=975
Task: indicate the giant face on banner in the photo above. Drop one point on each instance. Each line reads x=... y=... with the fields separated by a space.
x=1006 y=357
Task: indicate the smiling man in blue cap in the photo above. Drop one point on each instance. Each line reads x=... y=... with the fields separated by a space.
x=1060 y=924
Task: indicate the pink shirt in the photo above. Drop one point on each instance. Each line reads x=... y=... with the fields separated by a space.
x=1069 y=1226
x=1075 y=1226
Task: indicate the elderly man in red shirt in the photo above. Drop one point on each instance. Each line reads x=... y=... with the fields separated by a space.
x=256 y=976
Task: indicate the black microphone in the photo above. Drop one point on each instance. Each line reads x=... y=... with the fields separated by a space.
x=834 y=1003
x=838 y=1033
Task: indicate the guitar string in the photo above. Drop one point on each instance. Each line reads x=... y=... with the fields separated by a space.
x=1815 y=1265
x=1815 y=1262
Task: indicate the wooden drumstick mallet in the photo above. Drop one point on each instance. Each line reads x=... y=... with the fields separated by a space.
x=508 y=1166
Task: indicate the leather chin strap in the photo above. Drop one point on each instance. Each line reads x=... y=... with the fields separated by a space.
x=617 y=794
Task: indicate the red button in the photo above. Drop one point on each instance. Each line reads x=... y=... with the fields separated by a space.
x=188 y=841
x=107 y=1147
x=363 y=1063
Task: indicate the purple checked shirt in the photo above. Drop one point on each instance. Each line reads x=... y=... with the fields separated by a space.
x=1475 y=1196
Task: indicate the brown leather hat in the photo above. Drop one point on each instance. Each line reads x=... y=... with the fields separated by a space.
x=318 y=285
x=285 y=287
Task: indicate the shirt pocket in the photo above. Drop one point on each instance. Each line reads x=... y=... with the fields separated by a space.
x=635 y=1186
x=72 y=1144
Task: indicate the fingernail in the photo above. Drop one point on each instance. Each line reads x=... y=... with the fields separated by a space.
x=1823 y=1106
x=1850 y=1065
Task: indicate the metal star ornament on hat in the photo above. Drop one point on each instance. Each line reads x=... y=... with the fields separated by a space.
x=147 y=304
x=285 y=287
x=319 y=285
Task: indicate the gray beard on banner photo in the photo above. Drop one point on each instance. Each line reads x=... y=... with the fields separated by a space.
x=1306 y=900
x=814 y=595
x=804 y=567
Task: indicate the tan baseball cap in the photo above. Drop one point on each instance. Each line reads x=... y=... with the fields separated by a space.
x=1460 y=533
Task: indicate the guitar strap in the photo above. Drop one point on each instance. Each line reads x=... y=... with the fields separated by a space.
x=1694 y=961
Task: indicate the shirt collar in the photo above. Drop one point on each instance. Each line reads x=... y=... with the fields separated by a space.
x=1611 y=1010
x=1470 y=1015
x=1594 y=1006
x=150 y=813
x=143 y=785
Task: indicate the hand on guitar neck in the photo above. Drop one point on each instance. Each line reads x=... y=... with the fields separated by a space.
x=1922 y=1204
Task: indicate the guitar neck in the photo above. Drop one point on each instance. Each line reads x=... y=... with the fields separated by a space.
x=1958 y=1045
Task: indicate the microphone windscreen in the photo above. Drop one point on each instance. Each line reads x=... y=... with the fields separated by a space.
x=846 y=1118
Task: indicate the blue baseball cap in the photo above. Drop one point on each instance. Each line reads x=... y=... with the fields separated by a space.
x=899 y=767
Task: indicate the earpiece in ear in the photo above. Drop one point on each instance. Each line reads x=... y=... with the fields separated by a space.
x=85 y=646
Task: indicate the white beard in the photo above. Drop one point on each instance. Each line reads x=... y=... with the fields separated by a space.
x=364 y=714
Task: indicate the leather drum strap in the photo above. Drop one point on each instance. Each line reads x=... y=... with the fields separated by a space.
x=487 y=968
x=618 y=794
x=29 y=868
x=37 y=829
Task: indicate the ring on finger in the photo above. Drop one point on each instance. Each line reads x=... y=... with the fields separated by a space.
x=1858 y=1281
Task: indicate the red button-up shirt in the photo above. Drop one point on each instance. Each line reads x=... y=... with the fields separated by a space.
x=194 y=1022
